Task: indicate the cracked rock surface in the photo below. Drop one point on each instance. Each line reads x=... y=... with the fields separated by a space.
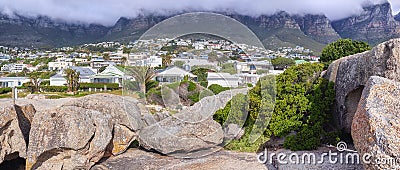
x=79 y=133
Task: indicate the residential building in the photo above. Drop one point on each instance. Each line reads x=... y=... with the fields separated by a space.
x=13 y=68
x=253 y=66
x=112 y=74
x=84 y=77
x=4 y=57
x=13 y=81
x=152 y=61
x=223 y=79
x=249 y=78
x=60 y=65
x=173 y=74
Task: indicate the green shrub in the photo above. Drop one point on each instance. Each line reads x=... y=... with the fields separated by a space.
x=110 y=86
x=249 y=85
x=216 y=89
x=191 y=86
x=5 y=90
x=45 y=83
x=195 y=97
x=54 y=88
x=151 y=85
x=342 y=48
x=309 y=138
x=201 y=74
x=303 y=105
x=54 y=97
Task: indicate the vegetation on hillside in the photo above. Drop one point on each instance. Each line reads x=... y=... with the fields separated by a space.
x=187 y=91
x=342 y=48
x=303 y=103
x=281 y=63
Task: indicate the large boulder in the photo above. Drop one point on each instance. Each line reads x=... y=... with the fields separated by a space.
x=81 y=132
x=350 y=75
x=138 y=159
x=15 y=124
x=189 y=132
x=376 y=124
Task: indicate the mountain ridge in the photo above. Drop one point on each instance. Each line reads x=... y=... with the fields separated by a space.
x=376 y=24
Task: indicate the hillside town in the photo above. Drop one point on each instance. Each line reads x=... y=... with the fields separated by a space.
x=228 y=64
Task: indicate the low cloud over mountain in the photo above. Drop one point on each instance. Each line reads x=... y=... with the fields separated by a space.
x=107 y=12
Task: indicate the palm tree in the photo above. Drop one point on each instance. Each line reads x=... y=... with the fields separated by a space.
x=72 y=78
x=166 y=60
x=142 y=74
x=35 y=80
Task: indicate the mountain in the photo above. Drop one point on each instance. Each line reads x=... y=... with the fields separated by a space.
x=126 y=30
x=397 y=17
x=319 y=27
x=45 y=32
x=280 y=29
x=376 y=24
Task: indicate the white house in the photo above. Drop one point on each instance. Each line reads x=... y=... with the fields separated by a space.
x=249 y=78
x=84 y=77
x=60 y=65
x=253 y=66
x=112 y=74
x=223 y=79
x=13 y=81
x=13 y=68
x=173 y=74
x=152 y=61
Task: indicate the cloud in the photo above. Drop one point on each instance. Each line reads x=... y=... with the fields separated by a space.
x=107 y=12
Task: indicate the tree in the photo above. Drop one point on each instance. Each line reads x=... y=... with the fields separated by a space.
x=166 y=60
x=35 y=81
x=101 y=69
x=342 y=48
x=281 y=63
x=72 y=78
x=142 y=74
x=201 y=74
x=106 y=56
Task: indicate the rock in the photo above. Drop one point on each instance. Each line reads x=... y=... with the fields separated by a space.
x=233 y=131
x=138 y=159
x=81 y=132
x=14 y=127
x=376 y=124
x=351 y=73
x=35 y=96
x=189 y=132
x=150 y=119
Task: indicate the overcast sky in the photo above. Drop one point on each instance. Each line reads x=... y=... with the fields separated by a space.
x=107 y=12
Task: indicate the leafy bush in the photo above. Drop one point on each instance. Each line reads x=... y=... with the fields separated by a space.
x=112 y=86
x=201 y=74
x=216 y=88
x=5 y=90
x=191 y=86
x=281 y=63
x=342 y=48
x=195 y=97
x=303 y=104
x=151 y=84
x=54 y=88
x=307 y=139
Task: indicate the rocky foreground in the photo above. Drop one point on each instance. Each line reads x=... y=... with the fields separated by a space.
x=367 y=102
x=96 y=132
